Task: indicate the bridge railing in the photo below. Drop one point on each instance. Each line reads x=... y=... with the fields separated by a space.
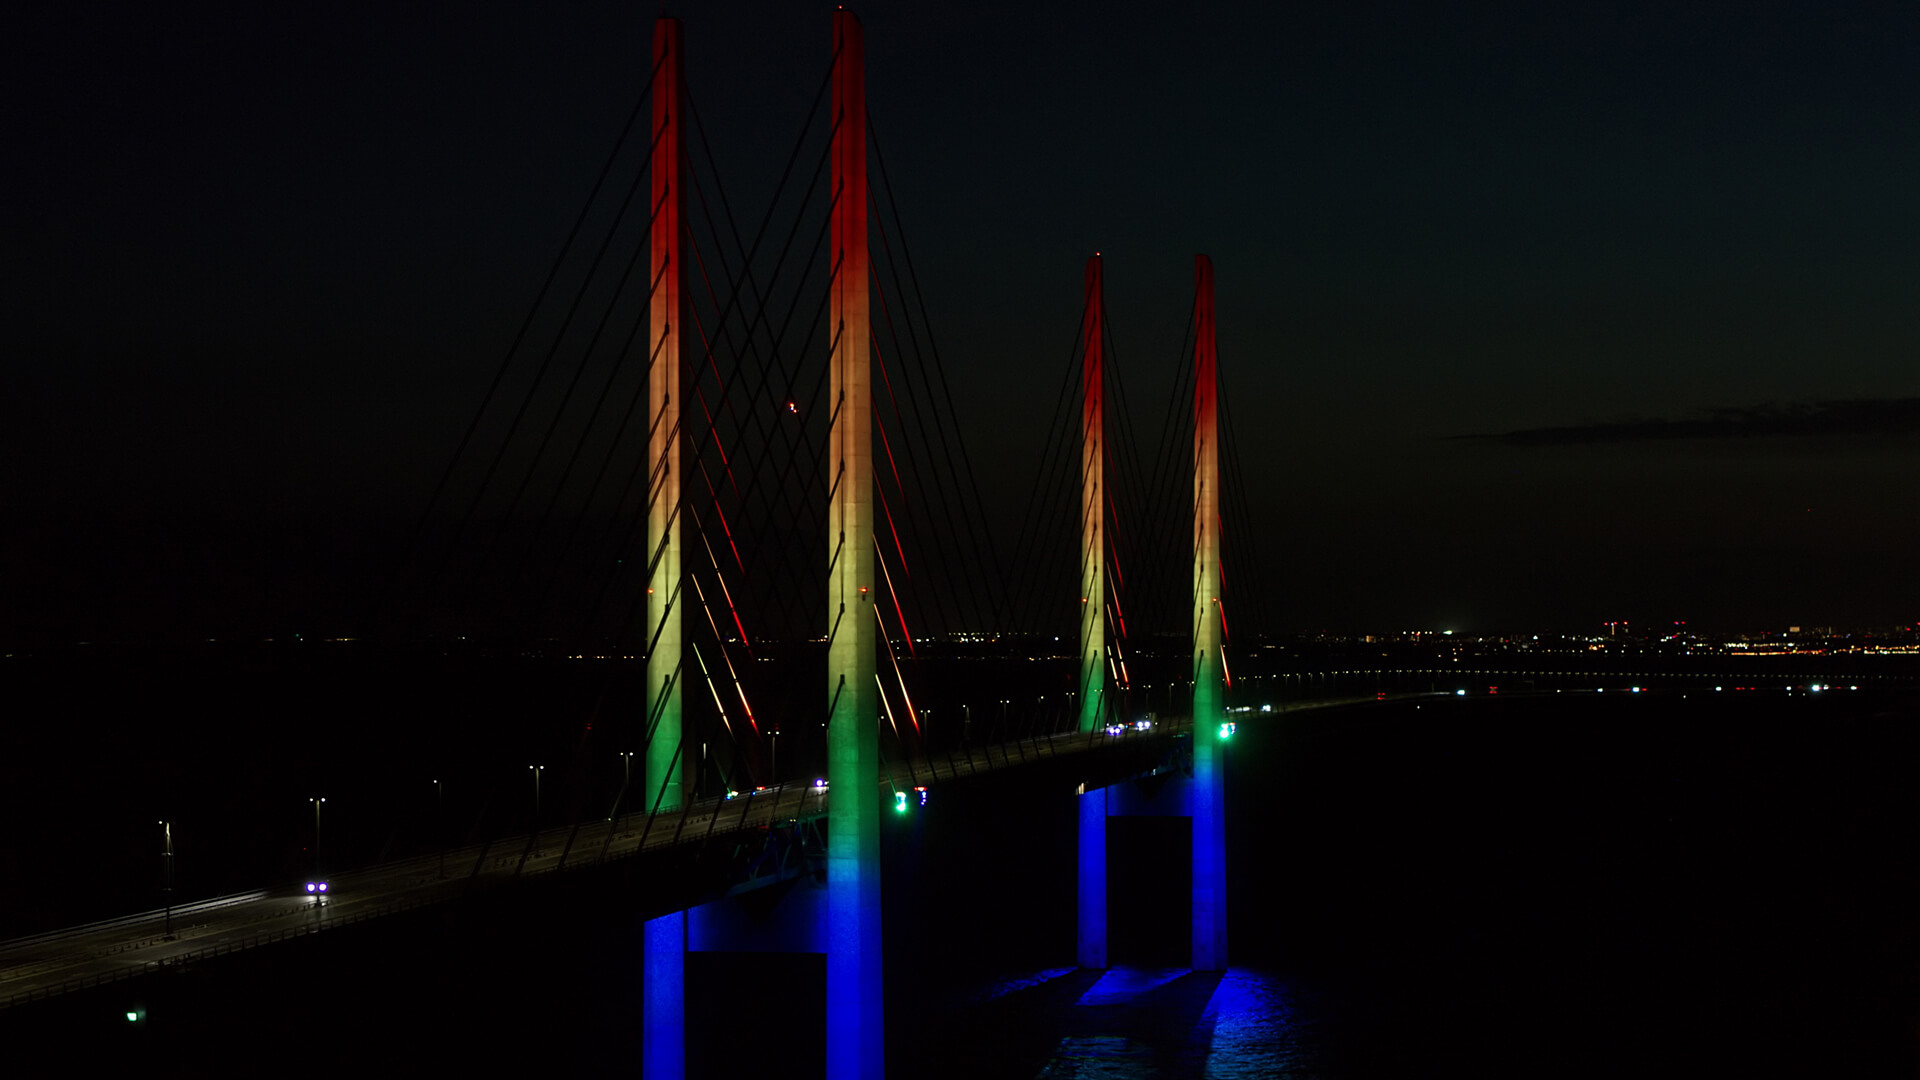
x=418 y=882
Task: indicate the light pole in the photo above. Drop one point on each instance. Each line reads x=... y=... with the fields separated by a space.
x=166 y=858
x=536 y=769
x=316 y=801
x=773 y=766
x=626 y=785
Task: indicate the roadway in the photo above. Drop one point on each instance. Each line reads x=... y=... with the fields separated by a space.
x=44 y=965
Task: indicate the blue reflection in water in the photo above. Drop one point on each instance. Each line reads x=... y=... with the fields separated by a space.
x=1135 y=1023
x=1256 y=1031
x=1002 y=988
x=1123 y=986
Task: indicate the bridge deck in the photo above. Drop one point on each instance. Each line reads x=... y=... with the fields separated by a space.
x=44 y=965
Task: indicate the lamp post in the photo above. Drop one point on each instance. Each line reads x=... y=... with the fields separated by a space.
x=166 y=859
x=536 y=770
x=626 y=785
x=316 y=801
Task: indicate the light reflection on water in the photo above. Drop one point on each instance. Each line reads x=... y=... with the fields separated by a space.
x=1133 y=1023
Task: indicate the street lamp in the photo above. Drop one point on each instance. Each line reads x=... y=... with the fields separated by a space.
x=536 y=769
x=166 y=858
x=626 y=785
x=316 y=801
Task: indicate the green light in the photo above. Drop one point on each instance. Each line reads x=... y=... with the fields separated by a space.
x=1226 y=730
x=899 y=802
x=132 y=1017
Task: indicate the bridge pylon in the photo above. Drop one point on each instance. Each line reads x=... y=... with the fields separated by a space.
x=1092 y=944
x=843 y=920
x=1200 y=796
x=855 y=1040
x=664 y=1002
x=1208 y=801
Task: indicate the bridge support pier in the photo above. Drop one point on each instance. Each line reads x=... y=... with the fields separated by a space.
x=1200 y=795
x=1197 y=797
x=1092 y=950
x=664 y=1034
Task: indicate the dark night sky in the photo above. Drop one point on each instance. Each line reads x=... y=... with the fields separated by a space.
x=260 y=262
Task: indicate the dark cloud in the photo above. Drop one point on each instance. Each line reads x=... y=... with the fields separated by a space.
x=1874 y=416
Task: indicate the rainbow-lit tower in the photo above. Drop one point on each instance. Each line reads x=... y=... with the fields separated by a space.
x=855 y=1045
x=1091 y=948
x=664 y=1008
x=1207 y=801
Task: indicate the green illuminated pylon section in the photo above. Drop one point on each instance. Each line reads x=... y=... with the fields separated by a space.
x=854 y=1038
x=1093 y=541
x=1208 y=802
x=665 y=746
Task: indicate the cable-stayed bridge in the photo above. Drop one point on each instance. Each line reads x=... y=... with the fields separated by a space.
x=729 y=454
x=748 y=407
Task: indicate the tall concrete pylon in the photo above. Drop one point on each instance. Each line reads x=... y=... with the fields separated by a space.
x=1201 y=797
x=1208 y=799
x=664 y=1006
x=1091 y=946
x=1093 y=498
x=855 y=1039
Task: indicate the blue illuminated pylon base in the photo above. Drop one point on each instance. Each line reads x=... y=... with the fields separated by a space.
x=797 y=923
x=1204 y=802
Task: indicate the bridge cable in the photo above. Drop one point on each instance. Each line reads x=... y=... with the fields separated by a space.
x=506 y=361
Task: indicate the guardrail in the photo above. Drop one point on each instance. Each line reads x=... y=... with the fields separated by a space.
x=264 y=937
x=756 y=808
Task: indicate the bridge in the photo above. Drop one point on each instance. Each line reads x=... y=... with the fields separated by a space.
x=741 y=416
x=758 y=465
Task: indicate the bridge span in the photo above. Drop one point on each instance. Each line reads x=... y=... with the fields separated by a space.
x=741 y=841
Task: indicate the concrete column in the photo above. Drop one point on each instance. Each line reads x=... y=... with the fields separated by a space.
x=664 y=1030
x=664 y=1037
x=1209 y=694
x=665 y=750
x=1092 y=945
x=1093 y=495
x=855 y=1042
